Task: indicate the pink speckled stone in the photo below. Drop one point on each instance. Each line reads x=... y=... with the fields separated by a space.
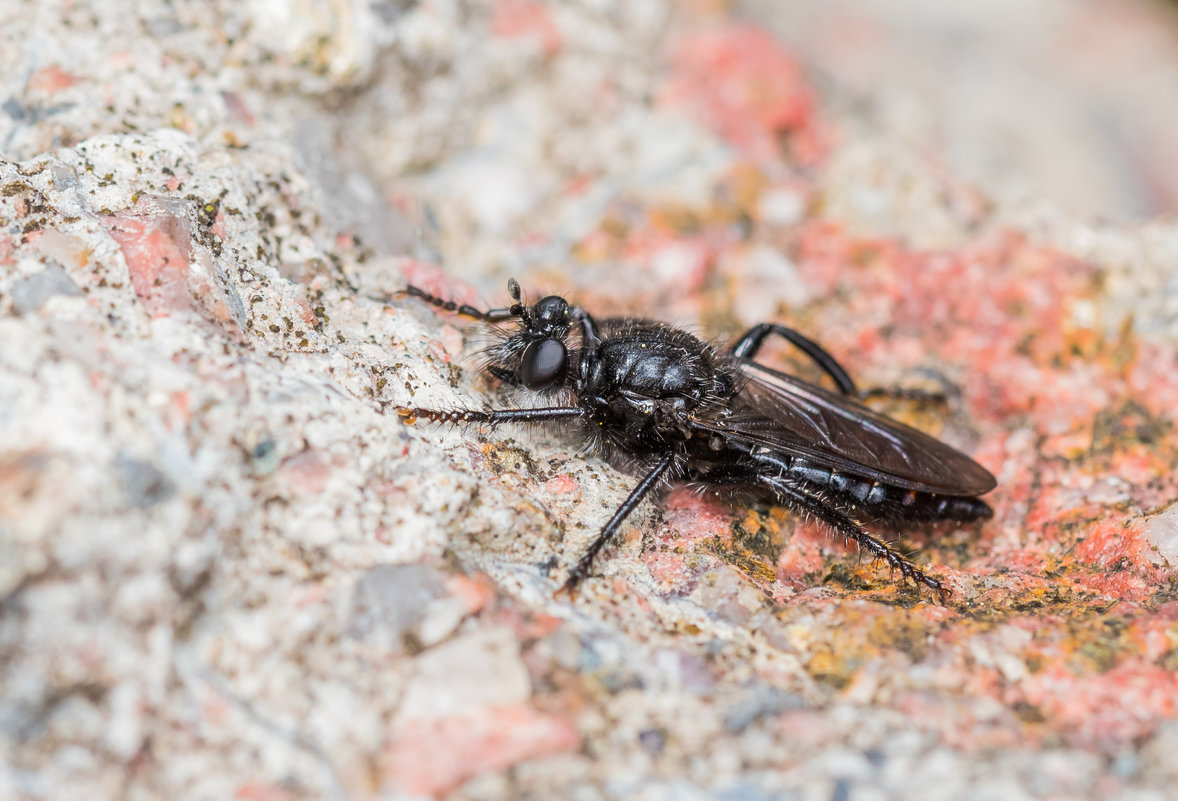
x=740 y=82
x=434 y=756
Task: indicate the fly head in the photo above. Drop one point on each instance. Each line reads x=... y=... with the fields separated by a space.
x=535 y=355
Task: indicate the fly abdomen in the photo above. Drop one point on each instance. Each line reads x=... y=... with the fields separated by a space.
x=964 y=510
x=882 y=501
x=807 y=471
x=862 y=490
x=899 y=504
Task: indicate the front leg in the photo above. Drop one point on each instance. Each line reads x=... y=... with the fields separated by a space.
x=411 y=414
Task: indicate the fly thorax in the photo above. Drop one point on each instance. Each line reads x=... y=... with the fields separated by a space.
x=649 y=372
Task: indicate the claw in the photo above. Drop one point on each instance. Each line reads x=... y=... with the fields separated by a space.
x=567 y=591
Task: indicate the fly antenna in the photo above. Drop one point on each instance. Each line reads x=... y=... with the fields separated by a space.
x=519 y=308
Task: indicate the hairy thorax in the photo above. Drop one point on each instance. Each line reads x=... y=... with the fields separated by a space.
x=648 y=377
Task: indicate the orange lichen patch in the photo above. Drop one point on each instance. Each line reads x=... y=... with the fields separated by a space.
x=741 y=190
x=431 y=757
x=740 y=82
x=520 y=19
x=844 y=639
x=703 y=524
x=597 y=245
x=830 y=668
x=1089 y=673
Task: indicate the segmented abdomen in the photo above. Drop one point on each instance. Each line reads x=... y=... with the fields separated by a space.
x=877 y=499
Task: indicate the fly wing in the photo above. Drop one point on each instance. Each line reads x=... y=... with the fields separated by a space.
x=787 y=414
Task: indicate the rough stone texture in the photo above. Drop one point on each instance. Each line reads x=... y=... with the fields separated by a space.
x=227 y=570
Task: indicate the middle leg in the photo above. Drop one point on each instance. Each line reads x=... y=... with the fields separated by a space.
x=797 y=497
x=644 y=488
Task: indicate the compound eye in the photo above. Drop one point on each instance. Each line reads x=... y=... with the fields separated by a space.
x=543 y=363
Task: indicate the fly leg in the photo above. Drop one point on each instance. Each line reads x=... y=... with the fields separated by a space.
x=797 y=497
x=411 y=414
x=945 y=392
x=644 y=488
x=489 y=316
x=748 y=346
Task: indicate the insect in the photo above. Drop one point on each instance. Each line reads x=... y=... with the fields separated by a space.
x=658 y=402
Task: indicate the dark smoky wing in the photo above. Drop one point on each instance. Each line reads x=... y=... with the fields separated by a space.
x=787 y=414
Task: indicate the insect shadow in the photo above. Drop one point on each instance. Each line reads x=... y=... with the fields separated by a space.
x=659 y=402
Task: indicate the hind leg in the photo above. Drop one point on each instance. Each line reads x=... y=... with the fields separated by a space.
x=797 y=496
x=748 y=346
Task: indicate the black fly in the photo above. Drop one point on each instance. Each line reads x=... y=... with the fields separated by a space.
x=659 y=402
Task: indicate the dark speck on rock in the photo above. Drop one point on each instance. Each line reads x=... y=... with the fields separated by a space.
x=265 y=457
x=875 y=756
x=14 y=109
x=652 y=741
x=143 y=482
